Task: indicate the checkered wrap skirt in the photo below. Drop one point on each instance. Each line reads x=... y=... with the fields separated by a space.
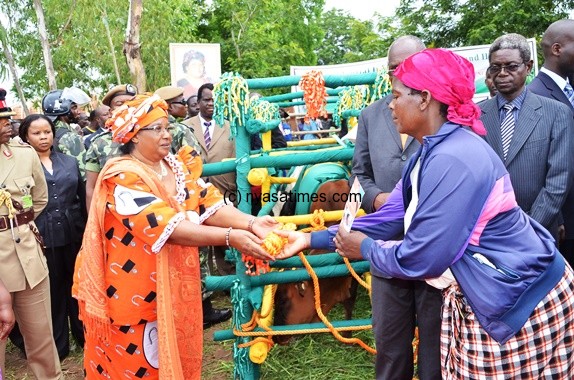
x=542 y=349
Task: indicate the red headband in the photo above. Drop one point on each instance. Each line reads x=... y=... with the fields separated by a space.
x=450 y=80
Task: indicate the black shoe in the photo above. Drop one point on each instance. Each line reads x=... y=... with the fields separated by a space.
x=216 y=316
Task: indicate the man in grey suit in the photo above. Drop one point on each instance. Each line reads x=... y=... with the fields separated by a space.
x=398 y=305
x=552 y=82
x=533 y=138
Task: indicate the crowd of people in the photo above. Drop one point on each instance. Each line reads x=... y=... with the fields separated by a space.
x=104 y=220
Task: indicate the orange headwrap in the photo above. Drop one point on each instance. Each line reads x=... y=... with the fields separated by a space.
x=135 y=114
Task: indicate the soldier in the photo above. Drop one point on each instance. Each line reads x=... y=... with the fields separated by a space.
x=181 y=134
x=63 y=107
x=101 y=147
x=23 y=195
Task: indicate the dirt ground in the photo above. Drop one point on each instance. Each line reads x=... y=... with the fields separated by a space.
x=217 y=357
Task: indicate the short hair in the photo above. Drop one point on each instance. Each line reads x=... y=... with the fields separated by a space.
x=191 y=97
x=511 y=41
x=28 y=120
x=203 y=87
x=192 y=55
x=92 y=115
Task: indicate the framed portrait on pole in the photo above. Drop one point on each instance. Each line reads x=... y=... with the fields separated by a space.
x=193 y=65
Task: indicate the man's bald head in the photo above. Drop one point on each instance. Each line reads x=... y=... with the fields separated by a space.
x=558 y=47
x=402 y=48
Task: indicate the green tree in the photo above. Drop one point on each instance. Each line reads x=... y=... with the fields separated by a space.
x=346 y=39
x=264 y=38
x=452 y=23
x=79 y=45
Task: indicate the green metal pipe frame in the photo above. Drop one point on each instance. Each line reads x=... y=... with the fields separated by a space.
x=246 y=289
x=213 y=283
x=332 y=81
x=281 y=161
x=222 y=335
x=297 y=95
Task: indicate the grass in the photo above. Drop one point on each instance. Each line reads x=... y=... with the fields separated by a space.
x=315 y=356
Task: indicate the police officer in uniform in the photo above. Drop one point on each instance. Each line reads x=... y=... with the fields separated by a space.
x=23 y=269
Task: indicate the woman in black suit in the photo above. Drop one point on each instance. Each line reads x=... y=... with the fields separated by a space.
x=61 y=224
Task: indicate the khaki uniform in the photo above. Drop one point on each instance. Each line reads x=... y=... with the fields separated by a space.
x=23 y=267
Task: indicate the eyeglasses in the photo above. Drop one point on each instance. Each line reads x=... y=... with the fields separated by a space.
x=182 y=102
x=510 y=68
x=158 y=129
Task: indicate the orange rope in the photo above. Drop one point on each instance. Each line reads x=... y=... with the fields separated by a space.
x=320 y=311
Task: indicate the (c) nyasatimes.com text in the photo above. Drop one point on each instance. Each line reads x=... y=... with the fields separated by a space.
x=234 y=197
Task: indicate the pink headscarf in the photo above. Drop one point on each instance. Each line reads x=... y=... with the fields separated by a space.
x=450 y=80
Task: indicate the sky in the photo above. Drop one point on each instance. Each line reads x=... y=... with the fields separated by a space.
x=364 y=9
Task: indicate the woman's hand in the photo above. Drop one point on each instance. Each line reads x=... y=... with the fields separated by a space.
x=263 y=225
x=248 y=244
x=297 y=242
x=7 y=319
x=349 y=244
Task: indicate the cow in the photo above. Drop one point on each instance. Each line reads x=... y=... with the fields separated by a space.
x=295 y=302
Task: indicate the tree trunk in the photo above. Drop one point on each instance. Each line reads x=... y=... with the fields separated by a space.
x=45 y=45
x=132 y=48
x=112 y=51
x=12 y=66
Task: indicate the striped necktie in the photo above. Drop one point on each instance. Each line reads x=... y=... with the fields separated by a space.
x=507 y=129
x=569 y=91
x=206 y=134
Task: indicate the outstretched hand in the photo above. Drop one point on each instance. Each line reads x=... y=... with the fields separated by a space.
x=248 y=244
x=296 y=242
x=263 y=225
x=349 y=244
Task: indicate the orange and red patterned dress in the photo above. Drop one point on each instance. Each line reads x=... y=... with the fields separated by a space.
x=140 y=296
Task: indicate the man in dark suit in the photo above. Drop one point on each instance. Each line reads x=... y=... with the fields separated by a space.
x=532 y=135
x=552 y=82
x=398 y=305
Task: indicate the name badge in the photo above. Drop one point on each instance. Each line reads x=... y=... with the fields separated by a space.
x=27 y=201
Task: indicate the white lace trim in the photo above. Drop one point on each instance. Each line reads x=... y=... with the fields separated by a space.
x=167 y=231
x=177 y=168
x=210 y=211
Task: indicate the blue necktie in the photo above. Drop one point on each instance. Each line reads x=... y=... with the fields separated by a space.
x=507 y=129
x=569 y=91
x=206 y=135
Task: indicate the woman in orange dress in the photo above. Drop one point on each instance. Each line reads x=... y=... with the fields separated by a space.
x=137 y=276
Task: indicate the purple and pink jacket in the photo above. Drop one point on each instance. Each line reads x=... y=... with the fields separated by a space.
x=466 y=212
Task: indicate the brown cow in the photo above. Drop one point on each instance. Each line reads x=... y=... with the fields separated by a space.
x=295 y=303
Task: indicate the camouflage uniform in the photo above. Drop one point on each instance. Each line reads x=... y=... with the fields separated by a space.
x=204 y=269
x=102 y=148
x=181 y=136
x=70 y=143
x=100 y=151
